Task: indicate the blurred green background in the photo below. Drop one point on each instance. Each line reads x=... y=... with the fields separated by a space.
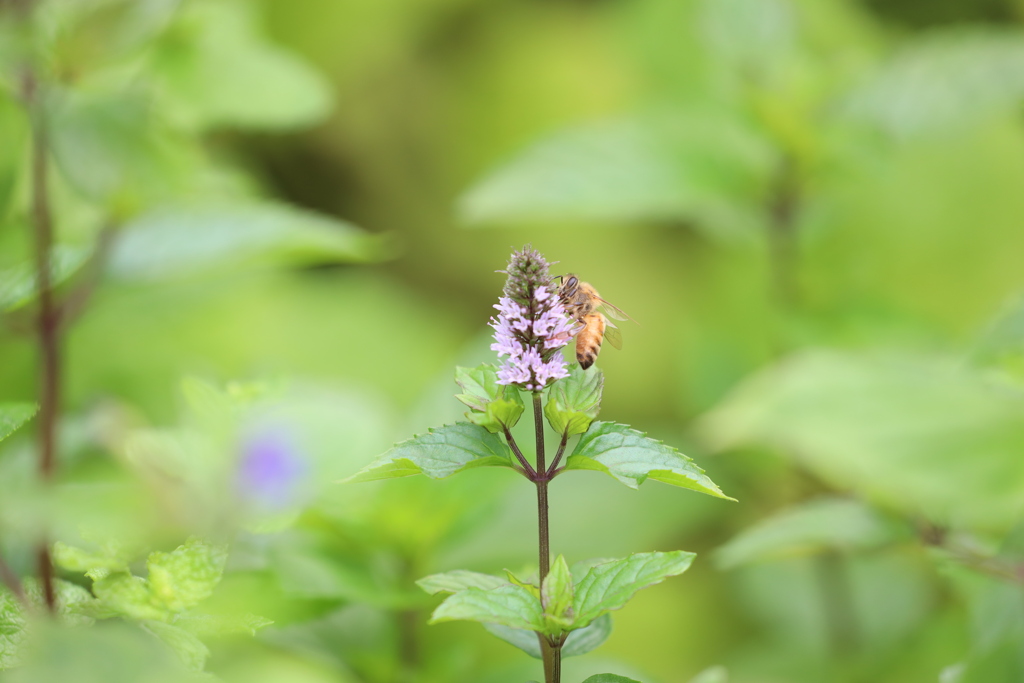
x=811 y=207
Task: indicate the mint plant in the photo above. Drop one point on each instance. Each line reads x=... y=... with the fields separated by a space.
x=564 y=610
x=106 y=177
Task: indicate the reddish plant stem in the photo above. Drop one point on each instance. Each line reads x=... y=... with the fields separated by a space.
x=48 y=319
x=13 y=583
x=1004 y=568
x=75 y=302
x=542 y=491
x=553 y=470
x=551 y=652
x=528 y=470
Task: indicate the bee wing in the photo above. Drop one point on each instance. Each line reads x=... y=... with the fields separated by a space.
x=613 y=336
x=614 y=311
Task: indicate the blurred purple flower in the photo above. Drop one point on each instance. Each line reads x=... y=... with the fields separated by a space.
x=531 y=326
x=271 y=468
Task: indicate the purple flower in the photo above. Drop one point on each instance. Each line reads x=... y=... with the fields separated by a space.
x=531 y=326
x=271 y=468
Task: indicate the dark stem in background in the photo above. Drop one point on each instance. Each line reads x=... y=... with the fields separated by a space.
x=13 y=583
x=783 y=243
x=408 y=625
x=48 y=320
x=1004 y=568
x=75 y=302
x=783 y=206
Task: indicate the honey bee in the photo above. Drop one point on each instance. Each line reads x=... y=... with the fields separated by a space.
x=581 y=302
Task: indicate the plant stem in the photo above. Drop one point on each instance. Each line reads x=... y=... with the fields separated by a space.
x=552 y=657
x=551 y=654
x=999 y=567
x=13 y=583
x=531 y=474
x=782 y=234
x=75 y=302
x=408 y=625
x=553 y=470
x=542 y=491
x=48 y=320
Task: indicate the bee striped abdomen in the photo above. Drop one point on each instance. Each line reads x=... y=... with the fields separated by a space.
x=588 y=341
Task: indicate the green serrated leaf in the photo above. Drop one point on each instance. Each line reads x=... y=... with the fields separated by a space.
x=13 y=416
x=176 y=240
x=79 y=560
x=609 y=586
x=439 y=453
x=580 y=569
x=187 y=575
x=610 y=678
x=495 y=407
x=574 y=402
x=508 y=605
x=18 y=283
x=479 y=385
x=188 y=647
x=73 y=603
x=632 y=458
x=127 y=595
x=533 y=588
x=811 y=527
x=556 y=595
x=457 y=580
x=500 y=413
x=579 y=642
x=13 y=634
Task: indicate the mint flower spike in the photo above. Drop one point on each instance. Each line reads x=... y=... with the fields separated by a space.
x=531 y=326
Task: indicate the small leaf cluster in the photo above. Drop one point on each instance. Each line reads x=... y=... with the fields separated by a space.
x=564 y=608
x=569 y=609
x=73 y=602
x=165 y=602
x=571 y=407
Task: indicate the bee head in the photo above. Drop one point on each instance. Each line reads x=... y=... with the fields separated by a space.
x=570 y=283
